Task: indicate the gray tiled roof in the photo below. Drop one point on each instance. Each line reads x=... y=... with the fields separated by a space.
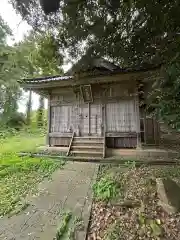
x=103 y=67
x=47 y=79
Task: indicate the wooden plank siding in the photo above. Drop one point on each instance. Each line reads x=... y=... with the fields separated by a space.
x=152 y=131
x=60 y=141
x=121 y=116
x=114 y=114
x=124 y=142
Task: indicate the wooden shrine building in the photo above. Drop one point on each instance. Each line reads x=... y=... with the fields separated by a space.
x=98 y=107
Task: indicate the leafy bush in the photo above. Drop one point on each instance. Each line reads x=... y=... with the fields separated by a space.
x=16 y=121
x=7 y=132
x=106 y=188
x=30 y=130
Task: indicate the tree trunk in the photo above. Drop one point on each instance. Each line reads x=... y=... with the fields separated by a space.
x=40 y=113
x=29 y=108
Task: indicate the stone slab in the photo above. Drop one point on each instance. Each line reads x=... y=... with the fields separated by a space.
x=69 y=189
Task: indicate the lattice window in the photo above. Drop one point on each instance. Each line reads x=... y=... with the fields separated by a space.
x=61 y=119
x=121 y=117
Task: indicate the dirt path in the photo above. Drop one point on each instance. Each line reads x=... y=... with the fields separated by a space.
x=69 y=189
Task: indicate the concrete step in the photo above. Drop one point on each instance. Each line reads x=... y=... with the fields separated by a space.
x=89 y=137
x=85 y=159
x=87 y=143
x=87 y=148
x=84 y=153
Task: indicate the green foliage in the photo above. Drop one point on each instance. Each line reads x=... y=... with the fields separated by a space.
x=151 y=225
x=21 y=141
x=34 y=120
x=8 y=88
x=16 y=121
x=156 y=229
x=130 y=164
x=48 y=58
x=5 y=31
x=7 y=132
x=20 y=175
x=122 y=30
x=106 y=188
x=165 y=97
x=68 y=226
x=76 y=225
x=131 y=33
x=38 y=54
x=63 y=226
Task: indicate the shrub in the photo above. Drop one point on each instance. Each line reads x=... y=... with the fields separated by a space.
x=106 y=188
x=16 y=121
x=7 y=132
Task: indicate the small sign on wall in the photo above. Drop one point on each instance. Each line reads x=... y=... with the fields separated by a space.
x=86 y=93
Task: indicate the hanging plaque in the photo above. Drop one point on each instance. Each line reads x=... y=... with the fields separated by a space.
x=86 y=93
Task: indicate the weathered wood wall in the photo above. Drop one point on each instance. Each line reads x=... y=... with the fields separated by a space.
x=122 y=142
x=121 y=116
x=114 y=110
x=60 y=141
x=151 y=131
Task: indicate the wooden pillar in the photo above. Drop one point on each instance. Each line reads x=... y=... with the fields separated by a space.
x=48 y=120
x=156 y=131
x=104 y=118
x=89 y=121
x=144 y=123
x=104 y=128
x=139 y=145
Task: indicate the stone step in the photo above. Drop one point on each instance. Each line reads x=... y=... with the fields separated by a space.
x=86 y=142
x=87 y=137
x=85 y=158
x=86 y=153
x=87 y=148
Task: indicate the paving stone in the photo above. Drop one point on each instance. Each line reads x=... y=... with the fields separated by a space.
x=69 y=189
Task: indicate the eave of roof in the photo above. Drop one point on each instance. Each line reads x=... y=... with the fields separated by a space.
x=92 y=74
x=46 y=79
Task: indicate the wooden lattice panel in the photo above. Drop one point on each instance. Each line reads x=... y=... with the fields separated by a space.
x=121 y=116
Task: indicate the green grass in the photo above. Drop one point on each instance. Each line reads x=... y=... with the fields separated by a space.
x=68 y=226
x=21 y=142
x=63 y=225
x=20 y=175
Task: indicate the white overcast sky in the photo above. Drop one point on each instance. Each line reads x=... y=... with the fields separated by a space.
x=14 y=21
